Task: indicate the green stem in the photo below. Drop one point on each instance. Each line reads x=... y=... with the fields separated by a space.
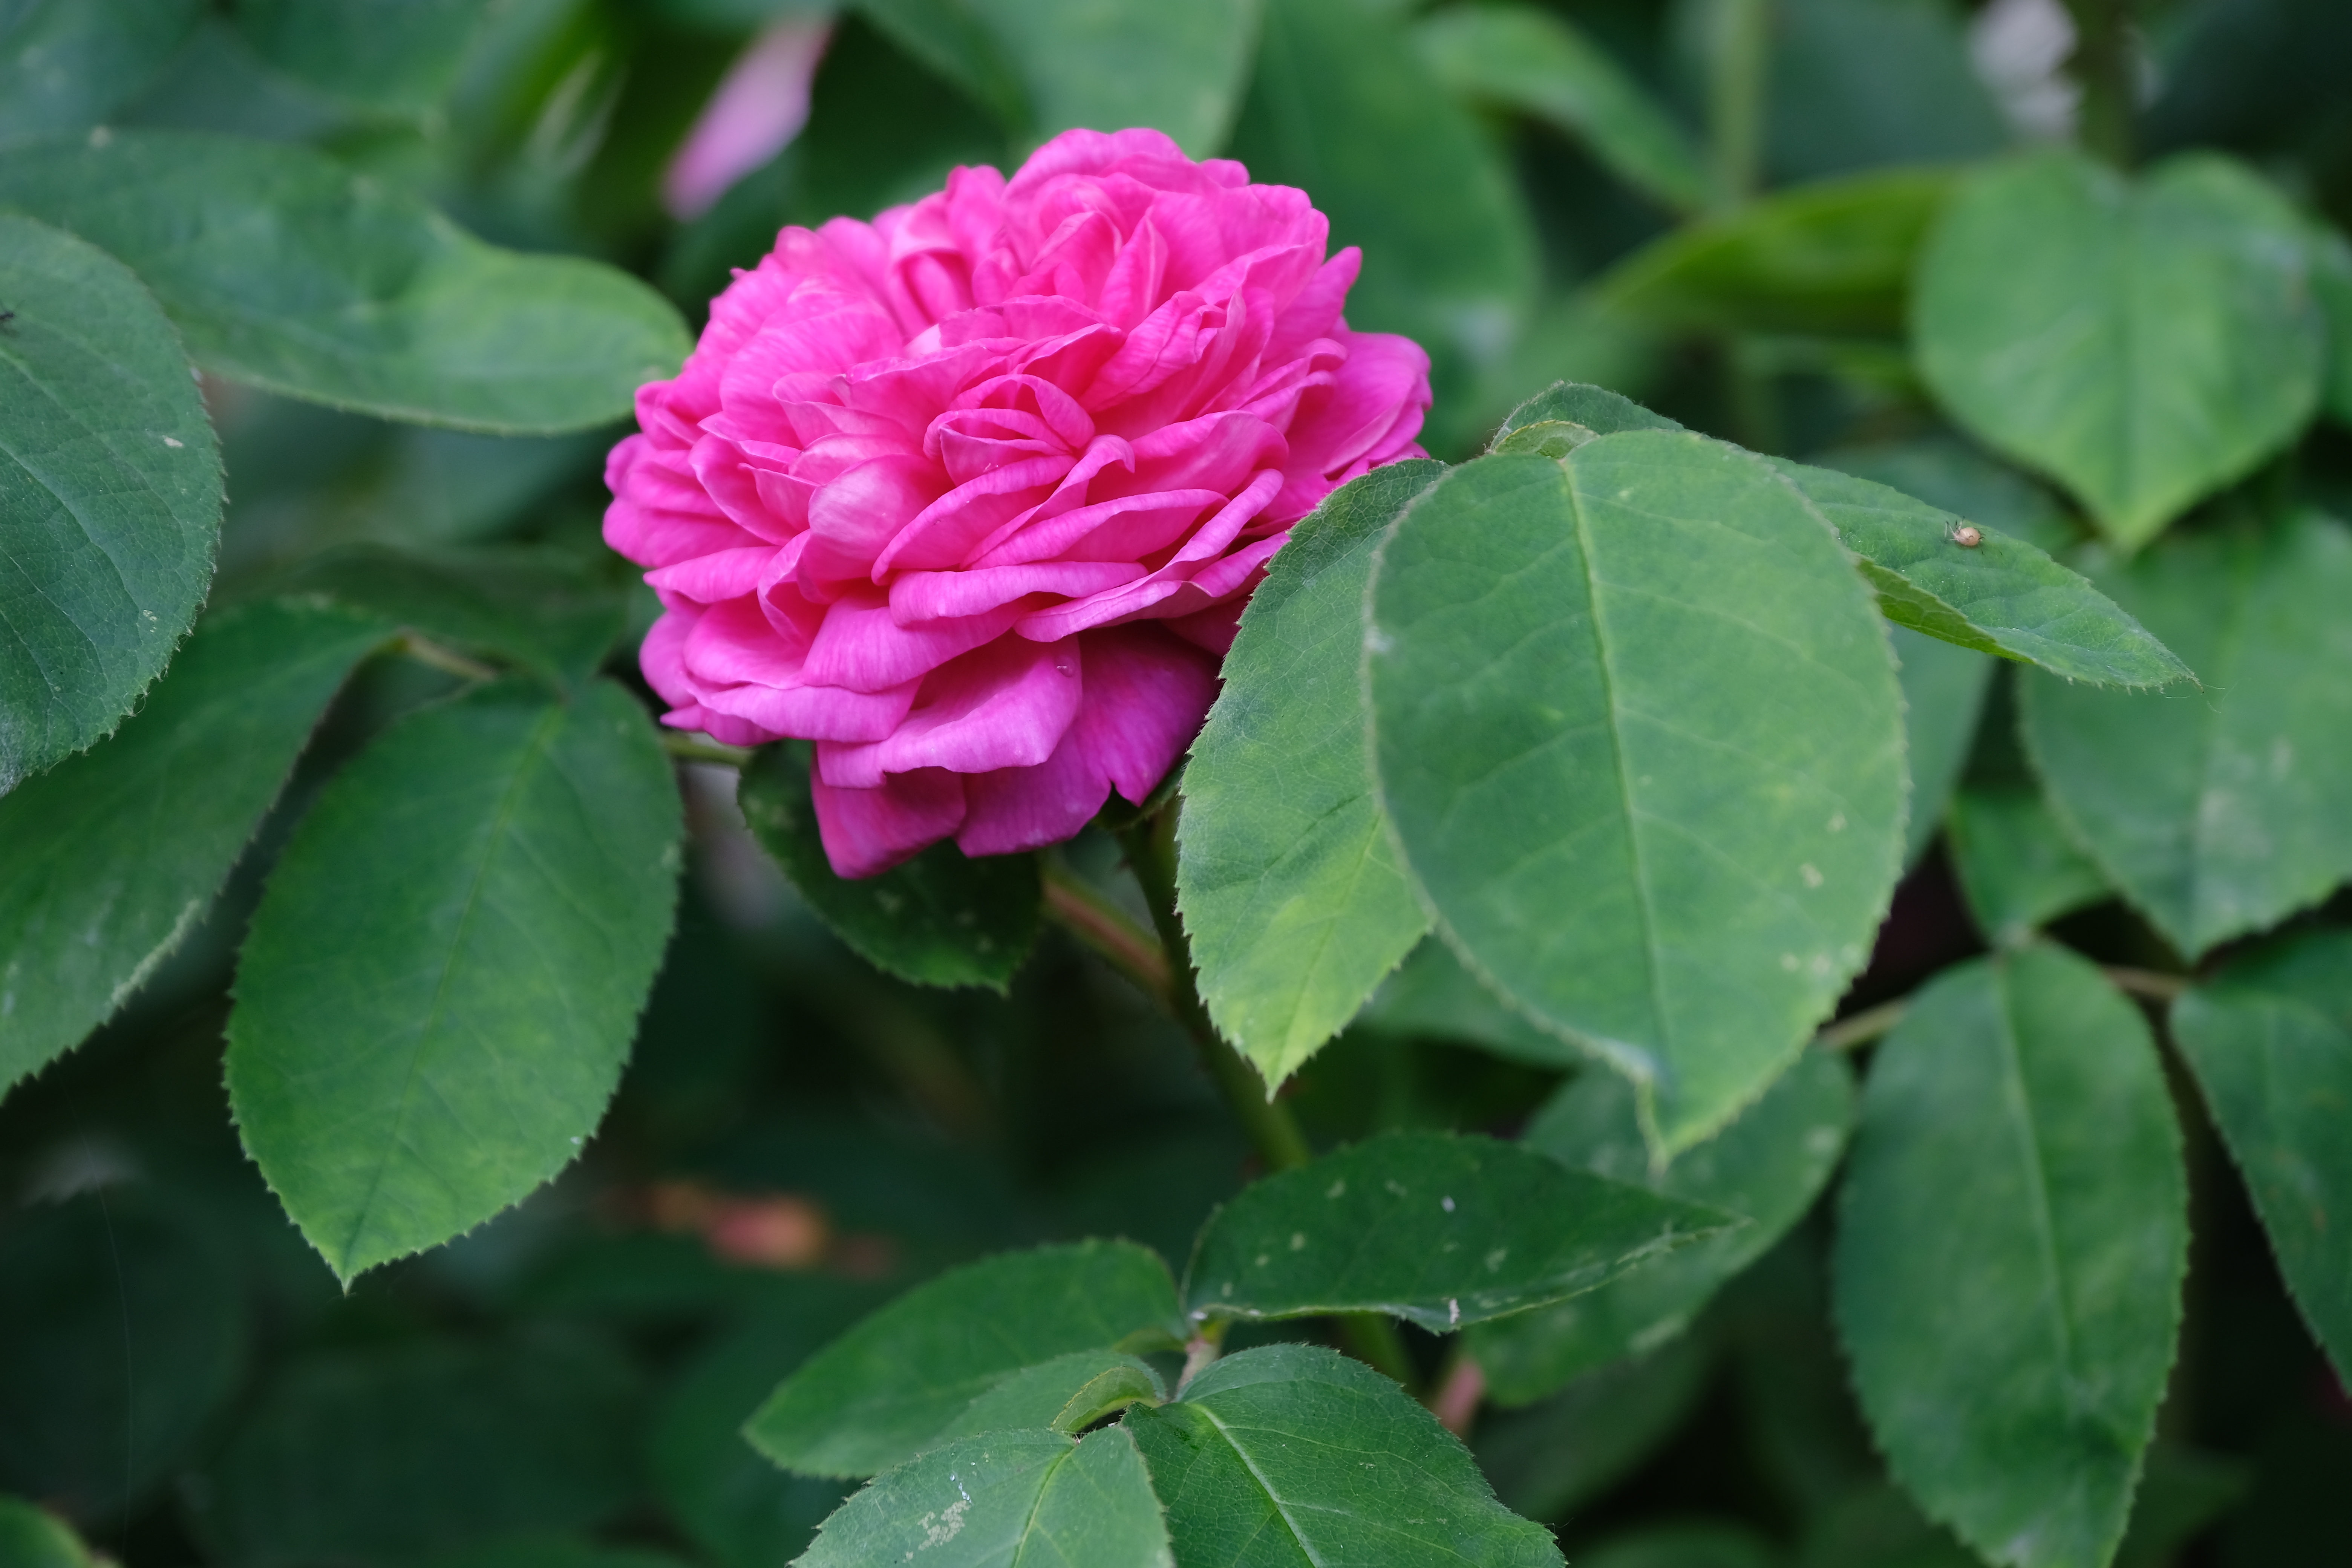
x=447 y=660
x=2104 y=65
x=1739 y=57
x=703 y=749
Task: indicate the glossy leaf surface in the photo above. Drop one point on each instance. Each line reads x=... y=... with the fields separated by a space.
x=118 y=853
x=1290 y=889
x=444 y=978
x=1637 y=727
x=283 y=270
x=942 y=918
x=2217 y=811
x=1439 y=1230
x=2145 y=343
x=110 y=495
x=2017 y=865
x=1766 y=1168
x=1293 y=1456
x=874 y=1396
x=2270 y=1039
x=1008 y=1500
x=2011 y=1348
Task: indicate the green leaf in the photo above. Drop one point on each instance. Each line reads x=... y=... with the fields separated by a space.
x=949 y=38
x=1944 y=687
x=67 y=64
x=1007 y=1497
x=2145 y=343
x=1293 y=1456
x=1637 y=727
x=383 y=1453
x=1341 y=107
x=2002 y=596
x=120 y=851
x=1550 y=1458
x=1517 y=57
x=1439 y=1230
x=1109 y=63
x=1877 y=1526
x=1767 y=1168
x=110 y=495
x=1064 y=1395
x=539 y=1552
x=942 y=918
x=1290 y=887
x=30 y=1538
x=1684 y=1546
x=396 y=56
x=1860 y=82
x=1593 y=409
x=1832 y=257
x=2270 y=1039
x=2220 y=811
x=1952 y=476
x=2016 y=865
x=283 y=269
x=874 y=1396
x=2010 y=1350
x=2182 y=1492
x=1430 y=994
x=442 y=982
x=2331 y=283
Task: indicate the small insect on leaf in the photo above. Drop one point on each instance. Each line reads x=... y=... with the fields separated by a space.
x=1968 y=536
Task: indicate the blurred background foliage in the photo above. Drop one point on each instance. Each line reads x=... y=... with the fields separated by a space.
x=1709 y=205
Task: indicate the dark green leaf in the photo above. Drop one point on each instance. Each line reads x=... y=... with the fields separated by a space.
x=2219 y=811
x=2270 y=1039
x=379 y=1455
x=110 y=495
x=283 y=269
x=1290 y=889
x=1007 y=1497
x=1767 y=1168
x=2331 y=281
x=1878 y=1527
x=1438 y=1229
x=1343 y=109
x=539 y=1552
x=2017 y=865
x=399 y=55
x=942 y=918
x=2145 y=343
x=1861 y=82
x=1430 y=994
x=1064 y=1395
x=1684 y=1546
x=2002 y=596
x=1828 y=258
x=1944 y=687
x=2182 y=1492
x=120 y=851
x=82 y=1425
x=1517 y=57
x=1637 y=727
x=1109 y=63
x=1293 y=1456
x=2010 y=1349
x=30 y=1538
x=66 y=63
x=948 y=37
x=877 y=1395
x=1551 y=1458
x=443 y=980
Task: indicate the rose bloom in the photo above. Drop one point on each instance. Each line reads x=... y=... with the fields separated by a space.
x=973 y=496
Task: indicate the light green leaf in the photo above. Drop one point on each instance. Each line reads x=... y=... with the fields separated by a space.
x=1952 y=476
x=120 y=851
x=1767 y=1168
x=2017 y=865
x=874 y=1396
x=1637 y=729
x=2270 y=1039
x=398 y=56
x=2143 y=341
x=1290 y=887
x=1437 y=1229
x=1342 y=107
x=1944 y=687
x=1008 y=1500
x=1517 y=57
x=1293 y=1456
x=1551 y=1457
x=443 y=977
x=1593 y=409
x=66 y=63
x=1104 y=64
x=2002 y=596
x=1430 y=994
x=1832 y=257
x=110 y=495
x=2010 y=1349
x=1064 y=1395
x=283 y=269
x=942 y=918
x=2215 y=811
x=31 y=1538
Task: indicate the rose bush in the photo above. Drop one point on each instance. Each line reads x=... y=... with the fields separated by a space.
x=973 y=496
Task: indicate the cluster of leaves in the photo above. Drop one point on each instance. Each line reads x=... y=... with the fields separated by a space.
x=1562 y=791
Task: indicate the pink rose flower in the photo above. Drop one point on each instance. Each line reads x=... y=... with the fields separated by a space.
x=973 y=496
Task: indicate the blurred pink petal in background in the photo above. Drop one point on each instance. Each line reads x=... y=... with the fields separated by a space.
x=761 y=105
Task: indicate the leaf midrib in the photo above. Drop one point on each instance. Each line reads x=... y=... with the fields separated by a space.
x=2045 y=1226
